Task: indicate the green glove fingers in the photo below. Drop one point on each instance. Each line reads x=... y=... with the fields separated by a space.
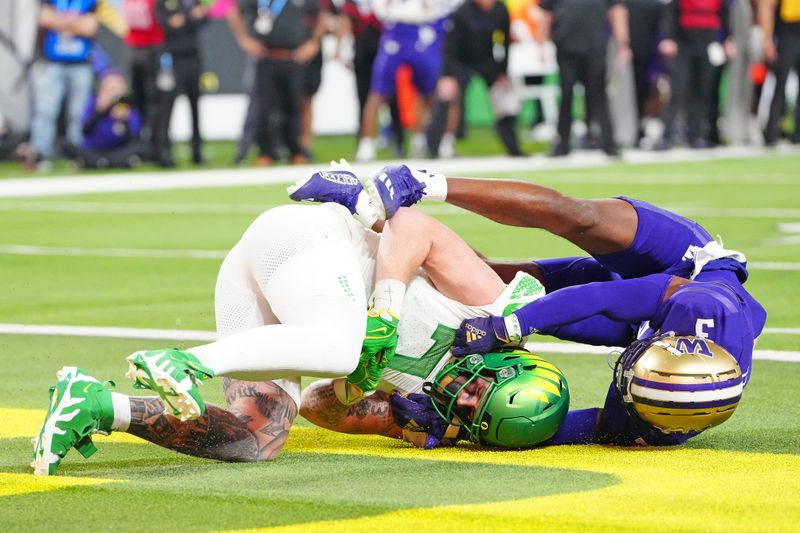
x=378 y=349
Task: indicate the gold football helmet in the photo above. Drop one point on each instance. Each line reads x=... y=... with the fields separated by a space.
x=679 y=384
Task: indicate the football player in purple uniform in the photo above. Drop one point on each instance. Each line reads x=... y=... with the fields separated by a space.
x=650 y=272
x=413 y=35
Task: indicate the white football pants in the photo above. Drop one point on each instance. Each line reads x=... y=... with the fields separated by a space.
x=291 y=298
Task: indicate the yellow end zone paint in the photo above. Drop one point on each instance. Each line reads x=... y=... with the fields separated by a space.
x=658 y=490
x=16 y=484
x=27 y=422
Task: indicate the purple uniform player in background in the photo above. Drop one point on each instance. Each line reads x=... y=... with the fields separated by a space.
x=413 y=35
x=651 y=272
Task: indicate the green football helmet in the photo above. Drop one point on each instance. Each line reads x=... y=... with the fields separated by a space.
x=522 y=401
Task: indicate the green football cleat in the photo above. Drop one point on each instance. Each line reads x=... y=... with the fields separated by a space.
x=79 y=406
x=175 y=375
x=380 y=343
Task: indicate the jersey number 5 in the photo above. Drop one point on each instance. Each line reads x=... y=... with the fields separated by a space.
x=701 y=325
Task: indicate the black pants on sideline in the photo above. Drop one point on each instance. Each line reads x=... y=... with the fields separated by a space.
x=690 y=83
x=186 y=69
x=589 y=69
x=128 y=155
x=714 y=104
x=250 y=126
x=145 y=63
x=641 y=69
x=505 y=127
x=279 y=85
x=788 y=58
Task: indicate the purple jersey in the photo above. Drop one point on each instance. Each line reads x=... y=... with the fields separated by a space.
x=714 y=311
x=418 y=46
x=111 y=128
x=661 y=244
x=716 y=307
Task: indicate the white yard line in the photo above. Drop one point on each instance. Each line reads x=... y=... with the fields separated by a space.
x=133 y=208
x=737 y=212
x=758 y=265
x=74 y=251
x=155 y=253
x=111 y=332
x=143 y=208
x=782 y=331
x=195 y=179
x=208 y=336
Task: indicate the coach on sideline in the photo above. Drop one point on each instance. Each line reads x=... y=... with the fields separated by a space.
x=579 y=31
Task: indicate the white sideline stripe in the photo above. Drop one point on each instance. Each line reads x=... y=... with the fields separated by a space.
x=555 y=347
x=111 y=332
x=687 y=396
x=197 y=179
x=120 y=208
x=739 y=212
x=15 y=249
x=754 y=265
x=757 y=265
x=154 y=253
x=208 y=336
x=782 y=331
x=134 y=208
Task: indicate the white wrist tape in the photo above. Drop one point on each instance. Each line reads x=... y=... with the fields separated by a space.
x=513 y=328
x=435 y=185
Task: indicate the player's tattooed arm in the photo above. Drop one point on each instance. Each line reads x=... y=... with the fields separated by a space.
x=254 y=429
x=372 y=415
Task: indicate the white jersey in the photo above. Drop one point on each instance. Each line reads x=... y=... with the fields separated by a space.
x=429 y=319
x=293 y=254
x=428 y=324
x=413 y=11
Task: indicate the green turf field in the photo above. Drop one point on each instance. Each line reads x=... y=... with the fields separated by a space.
x=741 y=476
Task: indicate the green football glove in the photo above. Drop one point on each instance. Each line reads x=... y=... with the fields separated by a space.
x=378 y=349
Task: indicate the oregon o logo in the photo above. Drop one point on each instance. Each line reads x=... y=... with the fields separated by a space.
x=484 y=426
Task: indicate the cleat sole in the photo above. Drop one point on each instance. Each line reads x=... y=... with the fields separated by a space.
x=177 y=401
x=375 y=198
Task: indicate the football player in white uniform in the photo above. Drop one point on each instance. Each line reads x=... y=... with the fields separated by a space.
x=299 y=273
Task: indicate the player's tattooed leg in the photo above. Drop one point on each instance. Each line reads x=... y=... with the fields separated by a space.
x=267 y=410
x=254 y=429
x=218 y=434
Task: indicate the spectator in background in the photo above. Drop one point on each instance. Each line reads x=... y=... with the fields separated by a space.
x=413 y=35
x=477 y=42
x=70 y=27
x=579 y=30
x=181 y=21
x=145 y=38
x=644 y=19
x=780 y=20
x=285 y=45
x=358 y=20
x=318 y=26
x=255 y=51
x=525 y=16
x=111 y=128
x=692 y=30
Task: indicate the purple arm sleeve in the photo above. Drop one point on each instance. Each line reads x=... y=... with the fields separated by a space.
x=629 y=300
